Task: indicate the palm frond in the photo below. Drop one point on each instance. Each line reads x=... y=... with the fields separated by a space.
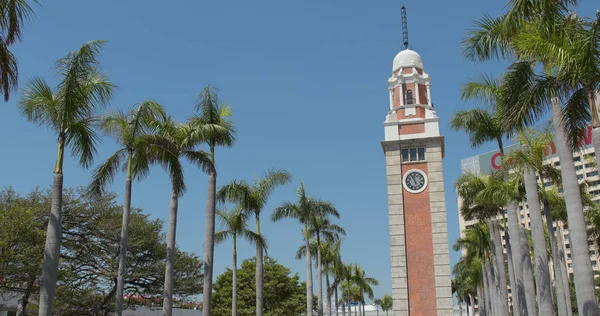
x=105 y=172
x=488 y=39
x=221 y=236
x=83 y=139
x=271 y=180
x=38 y=103
x=576 y=117
x=480 y=125
x=199 y=158
x=9 y=72
x=13 y=14
x=286 y=210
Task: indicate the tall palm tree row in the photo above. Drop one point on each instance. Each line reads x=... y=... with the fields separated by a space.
x=313 y=215
x=133 y=131
x=564 y=46
x=69 y=111
x=212 y=124
x=253 y=198
x=235 y=224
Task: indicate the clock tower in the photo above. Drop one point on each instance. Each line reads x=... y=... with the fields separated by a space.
x=414 y=150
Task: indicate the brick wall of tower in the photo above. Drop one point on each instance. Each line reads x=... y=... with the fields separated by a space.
x=439 y=228
x=419 y=248
x=396 y=230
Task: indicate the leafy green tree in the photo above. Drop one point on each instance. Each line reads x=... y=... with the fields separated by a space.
x=68 y=110
x=13 y=15
x=364 y=283
x=133 y=131
x=90 y=253
x=212 y=124
x=253 y=198
x=235 y=225
x=21 y=239
x=284 y=293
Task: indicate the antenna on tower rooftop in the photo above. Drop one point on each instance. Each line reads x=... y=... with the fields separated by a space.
x=404 y=28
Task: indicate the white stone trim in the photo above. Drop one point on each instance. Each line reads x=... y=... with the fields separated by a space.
x=406 y=186
x=413 y=121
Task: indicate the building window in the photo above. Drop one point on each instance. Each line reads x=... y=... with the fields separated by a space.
x=557 y=163
x=591 y=174
x=413 y=154
x=577 y=168
x=569 y=256
x=578 y=158
x=579 y=176
x=409 y=97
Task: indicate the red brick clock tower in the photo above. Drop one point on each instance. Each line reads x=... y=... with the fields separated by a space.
x=414 y=150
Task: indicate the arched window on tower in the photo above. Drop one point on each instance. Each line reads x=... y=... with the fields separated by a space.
x=409 y=97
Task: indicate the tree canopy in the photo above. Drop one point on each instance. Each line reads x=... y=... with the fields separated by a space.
x=284 y=293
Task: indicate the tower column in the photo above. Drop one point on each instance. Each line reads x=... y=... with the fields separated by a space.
x=417 y=97
x=429 y=94
x=391 y=98
x=401 y=92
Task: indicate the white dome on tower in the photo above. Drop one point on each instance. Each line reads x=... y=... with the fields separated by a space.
x=407 y=58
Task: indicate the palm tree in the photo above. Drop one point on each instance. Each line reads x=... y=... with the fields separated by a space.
x=176 y=141
x=385 y=303
x=330 y=255
x=213 y=125
x=308 y=212
x=235 y=225
x=338 y=271
x=253 y=198
x=364 y=283
x=482 y=125
x=12 y=17
x=323 y=230
x=467 y=276
x=132 y=131
x=531 y=158
x=69 y=111
x=475 y=245
x=536 y=93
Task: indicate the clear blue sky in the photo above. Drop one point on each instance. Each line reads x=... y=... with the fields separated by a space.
x=307 y=84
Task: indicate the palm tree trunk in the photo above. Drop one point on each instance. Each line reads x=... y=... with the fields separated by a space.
x=259 y=272
x=471 y=307
x=582 y=268
x=490 y=288
x=320 y=277
x=309 y=285
x=328 y=293
x=558 y=282
x=335 y=289
x=518 y=291
x=528 y=282
x=234 y=282
x=565 y=276
x=170 y=263
x=209 y=241
x=542 y=273
x=123 y=246
x=53 y=238
x=481 y=301
x=511 y=273
x=499 y=272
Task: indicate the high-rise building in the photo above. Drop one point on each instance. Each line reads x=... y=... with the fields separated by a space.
x=414 y=150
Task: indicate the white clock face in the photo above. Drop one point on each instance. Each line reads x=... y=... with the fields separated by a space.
x=415 y=181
